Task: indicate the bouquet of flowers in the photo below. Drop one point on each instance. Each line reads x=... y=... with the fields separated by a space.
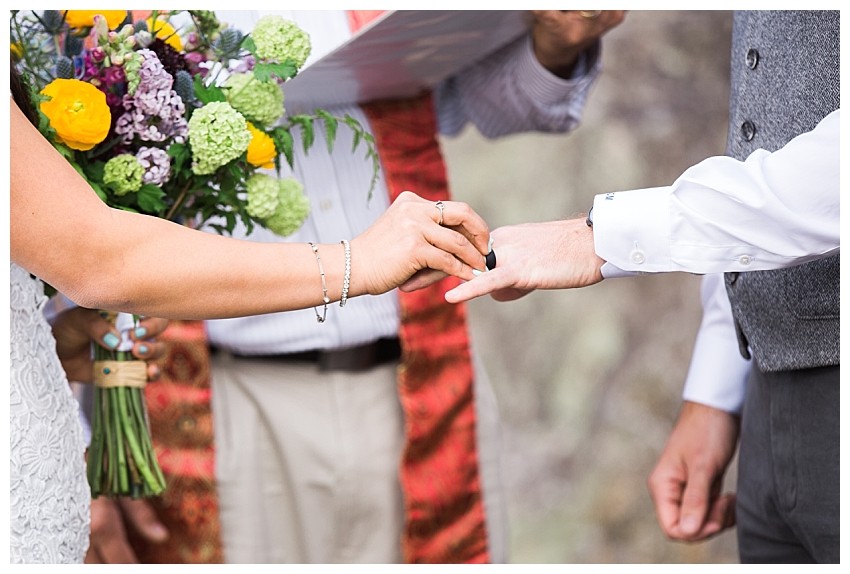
x=175 y=115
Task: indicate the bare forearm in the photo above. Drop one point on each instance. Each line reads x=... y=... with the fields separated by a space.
x=107 y=258
x=160 y=276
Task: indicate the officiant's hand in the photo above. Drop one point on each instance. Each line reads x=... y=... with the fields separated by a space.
x=547 y=255
x=76 y=328
x=110 y=519
x=560 y=36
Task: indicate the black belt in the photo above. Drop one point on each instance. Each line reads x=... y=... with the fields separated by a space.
x=352 y=359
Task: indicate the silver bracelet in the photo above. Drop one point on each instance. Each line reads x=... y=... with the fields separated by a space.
x=347 y=279
x=321 y=318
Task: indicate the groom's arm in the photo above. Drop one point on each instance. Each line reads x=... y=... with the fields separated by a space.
x=686 y=484
x=721 y=215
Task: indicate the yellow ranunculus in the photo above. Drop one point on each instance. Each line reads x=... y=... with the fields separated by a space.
x=85 y=18
x=261 y=150
x=78 y=112
x=17 y=51
x=166 y=32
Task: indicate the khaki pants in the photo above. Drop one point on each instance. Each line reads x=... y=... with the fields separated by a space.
x=307 y=463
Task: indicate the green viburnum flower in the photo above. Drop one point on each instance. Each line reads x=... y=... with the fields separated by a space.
x=123 y=174
x=263 y=191
x=260 y=102
x=292 y=209
x=218 y=134
x=278 y=39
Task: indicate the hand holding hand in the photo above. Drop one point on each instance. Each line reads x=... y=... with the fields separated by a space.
x=415 y=234
x=559 y=36
x=686 y=483
x=110 y=518
x=548 y=255
x=75 y=329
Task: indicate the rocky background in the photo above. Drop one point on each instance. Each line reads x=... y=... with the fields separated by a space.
x=589 y=381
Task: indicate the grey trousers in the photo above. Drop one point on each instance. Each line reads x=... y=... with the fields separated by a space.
x=788 y=507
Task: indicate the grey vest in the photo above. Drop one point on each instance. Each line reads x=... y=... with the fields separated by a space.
x=785 y=79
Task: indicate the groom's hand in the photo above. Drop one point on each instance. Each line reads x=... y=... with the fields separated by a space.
x=686 y=485
x=548 y=255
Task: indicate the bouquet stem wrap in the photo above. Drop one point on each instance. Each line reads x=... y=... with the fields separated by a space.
x=121 y=458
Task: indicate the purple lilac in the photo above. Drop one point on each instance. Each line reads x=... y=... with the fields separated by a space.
x=156 y=163
x=155 y=112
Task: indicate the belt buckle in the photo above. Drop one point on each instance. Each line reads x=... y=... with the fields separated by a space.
x=352 y=359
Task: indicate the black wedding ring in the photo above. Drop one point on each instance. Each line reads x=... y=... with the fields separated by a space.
x=490 y=260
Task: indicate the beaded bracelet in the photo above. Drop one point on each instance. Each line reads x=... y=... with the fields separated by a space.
x=321 y=318
x=347 y=279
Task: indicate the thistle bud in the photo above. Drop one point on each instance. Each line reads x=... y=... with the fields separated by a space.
x=64 y=68
x=143 y=38
x=73 y=45
x=184 y=86
x=229 y=42
x=52 y=20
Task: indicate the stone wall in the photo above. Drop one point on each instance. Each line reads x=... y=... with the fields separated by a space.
x=589 y=381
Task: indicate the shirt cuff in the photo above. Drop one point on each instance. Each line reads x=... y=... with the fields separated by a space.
x=611 y=271
x=631 y=229
x=545 y=87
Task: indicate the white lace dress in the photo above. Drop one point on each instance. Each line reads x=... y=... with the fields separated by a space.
x=49 y=499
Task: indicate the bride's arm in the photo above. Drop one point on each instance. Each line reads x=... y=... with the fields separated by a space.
x=112 y=259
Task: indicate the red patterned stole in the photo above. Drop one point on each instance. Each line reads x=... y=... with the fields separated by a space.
x=444 y=507
x=182 y=431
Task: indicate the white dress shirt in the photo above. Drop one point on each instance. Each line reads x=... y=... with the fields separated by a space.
x=727 y=215
x=717 y=375
x=495 y=96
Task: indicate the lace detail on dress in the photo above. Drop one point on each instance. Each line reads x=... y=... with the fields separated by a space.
x=49 y=498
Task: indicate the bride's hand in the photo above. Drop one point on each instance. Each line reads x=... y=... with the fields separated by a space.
x=408 y=237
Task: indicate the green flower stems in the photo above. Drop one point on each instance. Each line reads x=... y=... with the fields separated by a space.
x=121 y=457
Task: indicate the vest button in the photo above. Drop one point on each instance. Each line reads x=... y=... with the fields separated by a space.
x=732 y=277
x=752 y=58
x=748 y=130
